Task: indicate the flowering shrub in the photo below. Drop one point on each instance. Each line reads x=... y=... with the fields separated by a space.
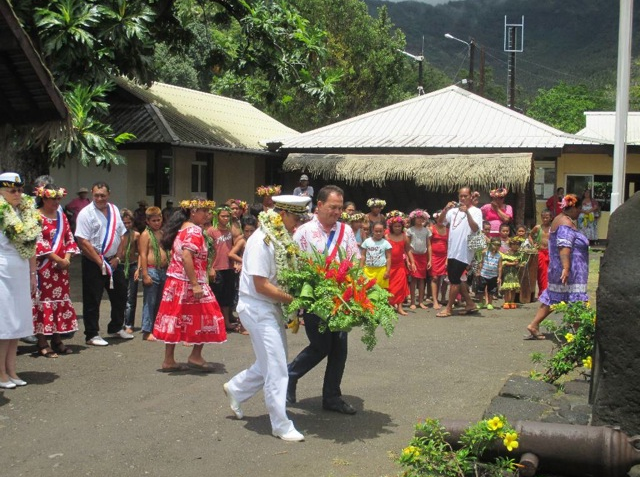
x=429 y=454
x=574 y=340
x=341 y=295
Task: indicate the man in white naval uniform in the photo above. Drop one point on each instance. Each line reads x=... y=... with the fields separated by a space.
x=259 y=308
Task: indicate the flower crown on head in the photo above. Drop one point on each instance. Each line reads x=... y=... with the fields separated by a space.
x=499 y=192
x=268 y=190
x=395 y=217
x=357 y=217
x=419 y=213
x=371 y=203
x=516 y=240
x=569 y=200
x=197 y=204
x=50 y=193
x=242 y=205
x=222 y=208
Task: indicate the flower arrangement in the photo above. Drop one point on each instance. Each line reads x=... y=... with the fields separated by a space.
x=357 y=217
x=499 y=192
x=268 y=190
x=50 y=193
x=21 y=227
x=242 y=205
x=197 y=204
x=569 y=200
x=419 y=213
x=371 y=203
x=429 y=453
x=573 y=346
x=345 y=217
x=341 y=295
x=395 y=216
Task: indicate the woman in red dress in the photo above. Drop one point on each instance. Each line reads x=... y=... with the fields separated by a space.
x=53 y=311
x=439 y=241
x=400 y=247
x=189 y=312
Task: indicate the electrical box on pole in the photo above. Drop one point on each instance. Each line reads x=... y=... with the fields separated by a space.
x=513 y=43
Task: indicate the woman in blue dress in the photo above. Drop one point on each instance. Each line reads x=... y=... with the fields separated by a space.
x=568 y=264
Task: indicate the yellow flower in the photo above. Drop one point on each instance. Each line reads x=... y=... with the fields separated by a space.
x=588 y=304
x=276 y=220
x=569 y=337
x=511 y=441
x=587 y=363
x=494 y=423
x=18 y=228
x=411 y=451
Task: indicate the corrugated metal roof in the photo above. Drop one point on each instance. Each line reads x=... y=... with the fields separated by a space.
x=601 y=125
x=175 y=115
x=450 y=118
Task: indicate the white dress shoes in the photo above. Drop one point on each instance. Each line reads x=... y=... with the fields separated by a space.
x=7 y=385
x=291 y=436
x=97 y=341
x=122 y=334
x=233 y=402
x=18 y=382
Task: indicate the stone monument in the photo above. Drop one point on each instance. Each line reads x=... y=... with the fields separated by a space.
x=615 y=387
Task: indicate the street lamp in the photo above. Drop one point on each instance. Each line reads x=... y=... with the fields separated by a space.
x=472 y=50
x=420 y=60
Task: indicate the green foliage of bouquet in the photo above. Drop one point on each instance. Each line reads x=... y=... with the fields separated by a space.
x=429 y=453
x=575 y=336
x=341 y=295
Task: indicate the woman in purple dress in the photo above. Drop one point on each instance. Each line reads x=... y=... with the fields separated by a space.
x=568 y=264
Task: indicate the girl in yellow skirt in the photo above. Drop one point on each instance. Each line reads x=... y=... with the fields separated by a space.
x=376 y=256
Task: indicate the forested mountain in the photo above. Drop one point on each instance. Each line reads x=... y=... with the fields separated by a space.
x=574 y=41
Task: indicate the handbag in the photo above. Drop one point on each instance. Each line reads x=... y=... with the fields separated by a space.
x=476 y=241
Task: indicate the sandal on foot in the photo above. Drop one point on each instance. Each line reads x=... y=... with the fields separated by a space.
x=412 y=307
x=177 y=368
x=443 y=314
x=60 y=348
x=532 y=337
x=47 y=352
x=423 y=306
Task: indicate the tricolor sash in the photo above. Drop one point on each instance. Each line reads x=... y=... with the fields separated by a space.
x=331 y=250
x=109 y=237
x=56 y=244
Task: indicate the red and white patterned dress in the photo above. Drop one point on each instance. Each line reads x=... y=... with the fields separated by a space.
x=182 y=318
x=52 y=308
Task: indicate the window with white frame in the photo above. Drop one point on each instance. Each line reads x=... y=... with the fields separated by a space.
x=200 y=168
x=544 y=179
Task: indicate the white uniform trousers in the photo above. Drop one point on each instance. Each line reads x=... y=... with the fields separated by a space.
x=266 y=329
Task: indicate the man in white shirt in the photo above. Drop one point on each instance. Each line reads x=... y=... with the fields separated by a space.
x=326 y=235
x=259 y=307
x=305 y=190
x=463 y=219
x=99 y=231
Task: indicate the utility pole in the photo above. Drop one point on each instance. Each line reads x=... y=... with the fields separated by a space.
x=472 y=55
x=481 y=89
x=512 y=46
x=511 y=68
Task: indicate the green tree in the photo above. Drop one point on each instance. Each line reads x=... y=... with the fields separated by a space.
x=563 y=106
x=85 y=43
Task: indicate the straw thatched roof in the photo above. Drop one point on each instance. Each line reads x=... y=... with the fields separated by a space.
x=443 y=172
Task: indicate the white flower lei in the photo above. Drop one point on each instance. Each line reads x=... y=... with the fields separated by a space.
x=21 y=228
x=286 y=250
